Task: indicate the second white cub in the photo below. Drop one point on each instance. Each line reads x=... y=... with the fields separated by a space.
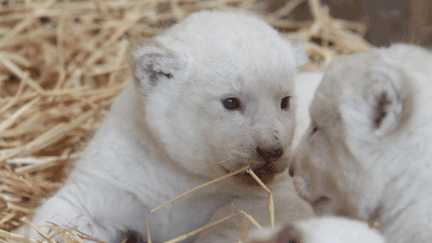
x=368 y=151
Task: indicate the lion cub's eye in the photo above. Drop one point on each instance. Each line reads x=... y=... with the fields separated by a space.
x=314 y=130
x=231 y=103
x=285 y=102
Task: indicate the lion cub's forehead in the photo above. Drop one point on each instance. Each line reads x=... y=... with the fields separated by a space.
x=231 y=43
x=342 y=79
x=350 y=70
x=235 y=29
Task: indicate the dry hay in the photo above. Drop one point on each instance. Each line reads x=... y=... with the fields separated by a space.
x=63 y=62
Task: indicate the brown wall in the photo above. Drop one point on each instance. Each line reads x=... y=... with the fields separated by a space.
x=388 y=21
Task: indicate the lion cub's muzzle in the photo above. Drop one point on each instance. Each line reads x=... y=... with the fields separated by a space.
x=270 y=164
x=270 y=155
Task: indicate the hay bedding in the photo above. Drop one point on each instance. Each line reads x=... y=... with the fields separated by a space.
x=63 y=62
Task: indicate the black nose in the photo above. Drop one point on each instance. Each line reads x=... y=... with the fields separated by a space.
x=270 y=155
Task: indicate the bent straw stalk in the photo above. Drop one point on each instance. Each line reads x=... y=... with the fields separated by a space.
x=271 y=203
x=201 y=186
x=148 y=231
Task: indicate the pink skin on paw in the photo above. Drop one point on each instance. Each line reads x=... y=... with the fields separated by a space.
x=96 y=221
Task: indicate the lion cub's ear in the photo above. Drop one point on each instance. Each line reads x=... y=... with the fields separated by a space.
x=153 y=63
x=383 y=92
x=299 y=50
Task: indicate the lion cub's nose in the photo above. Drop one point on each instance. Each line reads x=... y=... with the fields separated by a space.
x=270 y=154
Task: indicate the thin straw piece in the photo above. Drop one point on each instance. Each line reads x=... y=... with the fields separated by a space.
x=48 y=138
x=284 y=11
x=7 y=217
x=271 y=203
x=8 y=122
x=18 y=208
x=45 y=163
x=315 y=7
x=41 y=233
x=251 y=219
x=21 y=74
x=201 y=186
x=15 y=237
x=17 y=58
x=148 y=232
x=243 y=230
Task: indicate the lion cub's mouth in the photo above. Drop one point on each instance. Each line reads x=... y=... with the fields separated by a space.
x=265 y=172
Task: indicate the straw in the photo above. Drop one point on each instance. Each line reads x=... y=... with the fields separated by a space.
x=202 y=186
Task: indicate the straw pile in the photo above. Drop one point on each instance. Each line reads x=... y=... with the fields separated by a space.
x=63 y=62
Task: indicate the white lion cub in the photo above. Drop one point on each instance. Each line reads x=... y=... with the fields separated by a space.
x=213 y=94
x=319 y=230
x=368 y=152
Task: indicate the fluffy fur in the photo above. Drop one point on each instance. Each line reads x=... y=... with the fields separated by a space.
x=319 y=230
x=169 y=132
x=367 y=153
x=257 y=204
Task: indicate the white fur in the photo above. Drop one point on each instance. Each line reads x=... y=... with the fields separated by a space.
x=370 y=156
x=319 y=230
x=306 y=84
x=168 y=132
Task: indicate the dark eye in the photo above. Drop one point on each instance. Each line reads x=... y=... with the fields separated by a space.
x=285 y=103
x=292 y=241
x=231 y=103
x=314 y=130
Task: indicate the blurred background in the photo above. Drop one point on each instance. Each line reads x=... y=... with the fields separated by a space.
x=387 y=21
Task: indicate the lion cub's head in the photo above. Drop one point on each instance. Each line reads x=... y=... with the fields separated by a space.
x=218 y=92
x=370 y=125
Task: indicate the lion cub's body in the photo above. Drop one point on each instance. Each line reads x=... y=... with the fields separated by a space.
x=368 y=151
x=169 y=132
